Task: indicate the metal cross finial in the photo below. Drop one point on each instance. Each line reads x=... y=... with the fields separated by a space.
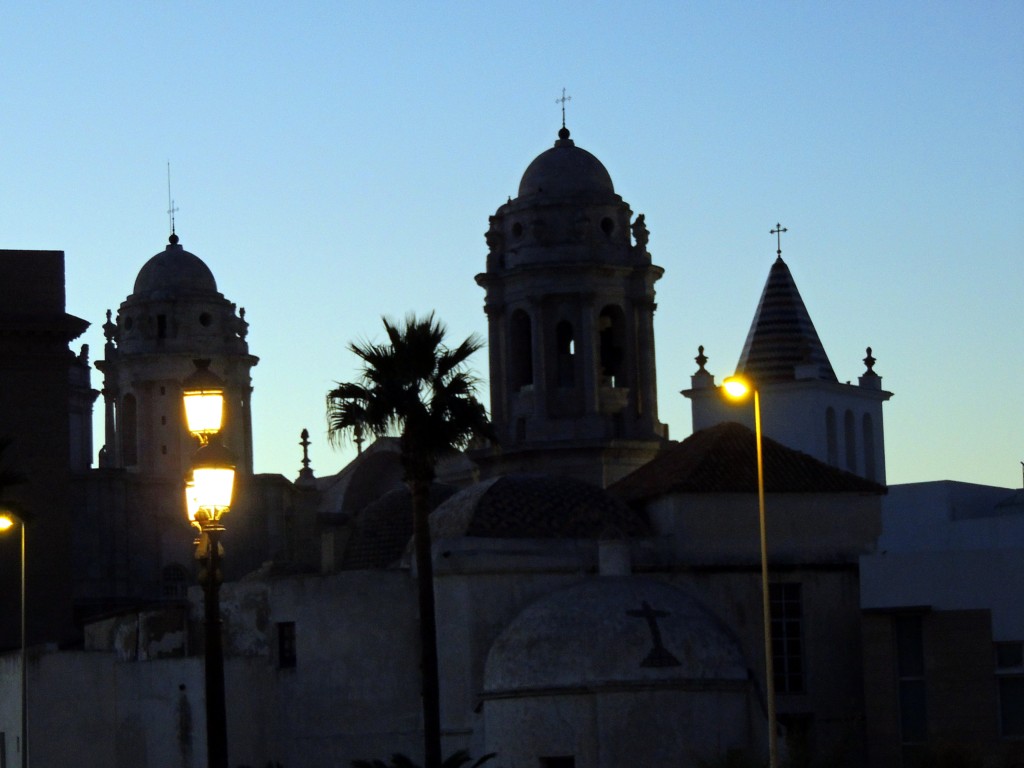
x=171 y=210
x=779 y=229
x=562 y=102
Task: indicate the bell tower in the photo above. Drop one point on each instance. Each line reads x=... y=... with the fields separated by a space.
x=173 y=316
x=803 y=403
x=570 y=310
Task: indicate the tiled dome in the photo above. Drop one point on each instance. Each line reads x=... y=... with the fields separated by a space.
x=535 y=507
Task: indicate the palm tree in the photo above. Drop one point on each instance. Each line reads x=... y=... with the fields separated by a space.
x=417 y=387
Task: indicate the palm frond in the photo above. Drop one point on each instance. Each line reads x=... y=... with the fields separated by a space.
x=413 y=386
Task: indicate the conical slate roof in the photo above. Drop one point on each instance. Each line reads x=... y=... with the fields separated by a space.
x=782 y=335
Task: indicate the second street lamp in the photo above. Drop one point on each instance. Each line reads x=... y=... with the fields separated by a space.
x=8 y=519
x=208 y=490
x=739 y=388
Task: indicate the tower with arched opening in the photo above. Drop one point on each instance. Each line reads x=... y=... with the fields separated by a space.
x=570 y=310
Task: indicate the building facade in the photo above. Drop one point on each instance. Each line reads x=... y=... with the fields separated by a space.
x=598 y=586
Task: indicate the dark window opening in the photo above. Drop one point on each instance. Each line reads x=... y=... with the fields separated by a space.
x=174 y=582
x=1010 y=677
x=565 y=354
x=787 y=641
x=521 y=352
x=161 y=326
x=286 y=658
x=205 y=319
x=910 y=670
x=607 y=226
x=612 y=325
x=566 y=761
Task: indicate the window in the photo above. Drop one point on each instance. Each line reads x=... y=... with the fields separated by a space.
x=286 y=658
x=1010 y=676
x=612 y=325
x=912 y=690
x=521 y=357
x=787 y=643
x=174 y=582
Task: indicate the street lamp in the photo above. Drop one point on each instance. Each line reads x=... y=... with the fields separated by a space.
x=208 y=489
x=8 y=519
x=738 y=388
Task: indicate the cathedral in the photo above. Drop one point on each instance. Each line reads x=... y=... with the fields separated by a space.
x=598 y=585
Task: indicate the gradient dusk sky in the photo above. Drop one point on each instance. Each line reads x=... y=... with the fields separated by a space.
x=336 y=161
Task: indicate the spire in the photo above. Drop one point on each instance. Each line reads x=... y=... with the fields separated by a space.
x=305 y=474
x=782 y=337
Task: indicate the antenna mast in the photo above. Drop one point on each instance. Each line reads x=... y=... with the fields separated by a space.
x=562 y=102
x=171 y=210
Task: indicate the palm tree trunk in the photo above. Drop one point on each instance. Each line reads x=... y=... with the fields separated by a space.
x=428 y=624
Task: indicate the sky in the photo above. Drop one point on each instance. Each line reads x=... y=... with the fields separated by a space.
x=334 y=162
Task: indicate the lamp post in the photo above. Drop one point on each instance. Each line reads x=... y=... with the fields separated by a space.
x=208 y=489
x=8 y=519
x=738 y=388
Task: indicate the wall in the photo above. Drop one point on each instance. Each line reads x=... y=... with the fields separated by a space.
x=35 y=374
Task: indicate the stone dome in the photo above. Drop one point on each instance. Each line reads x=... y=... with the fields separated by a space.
x=173 y=272
x=535 y=507
x=565 y=170
x=610 y=631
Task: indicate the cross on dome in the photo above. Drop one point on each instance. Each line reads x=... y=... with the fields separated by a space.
x=562 y=102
